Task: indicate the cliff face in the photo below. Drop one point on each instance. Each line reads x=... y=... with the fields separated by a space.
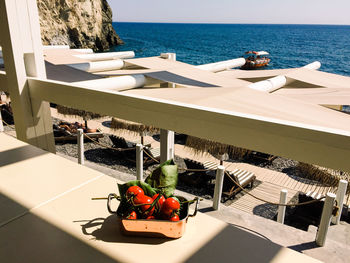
x=77 y=23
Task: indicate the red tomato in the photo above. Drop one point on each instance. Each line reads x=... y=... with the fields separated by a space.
x=134 y=191
x=160 y=202
x=150 y=217
x=139 y=199
x=145 y=203
x=171 y=203
x=175 y=218
x=170 y=208
x=166 y=213
x=132 y=215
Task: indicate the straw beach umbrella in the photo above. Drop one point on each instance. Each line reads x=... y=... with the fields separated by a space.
x=86 y=115
x=133 y=127
x=219 y=150
x=325 y=176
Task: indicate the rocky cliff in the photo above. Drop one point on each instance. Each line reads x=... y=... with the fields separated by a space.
x=77 y=23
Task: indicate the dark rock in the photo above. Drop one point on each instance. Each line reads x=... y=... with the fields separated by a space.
x=79 y=24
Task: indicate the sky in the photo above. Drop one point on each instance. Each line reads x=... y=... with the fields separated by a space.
x=233 y=11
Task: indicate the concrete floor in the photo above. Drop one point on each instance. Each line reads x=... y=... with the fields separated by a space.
x=337 y=248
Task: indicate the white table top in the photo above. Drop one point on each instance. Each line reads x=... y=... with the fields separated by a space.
x=47 y=216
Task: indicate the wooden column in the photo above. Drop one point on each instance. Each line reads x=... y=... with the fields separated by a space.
x=80 y=145
x=282 y=208
x=139 y=162
x=219 y=182
x=326 y=216
x=23 y=56
x=166 y=145
x=341 y=192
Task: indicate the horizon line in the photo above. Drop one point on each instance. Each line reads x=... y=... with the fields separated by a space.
x=229 y=23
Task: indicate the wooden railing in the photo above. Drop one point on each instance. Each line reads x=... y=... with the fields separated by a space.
x=30 y=91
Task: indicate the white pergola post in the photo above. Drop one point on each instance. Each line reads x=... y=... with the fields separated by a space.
x=325 y=219
x=282 y=208
x=167 y=138
x=218 y=187
x=171 y=56
x=343 y=184
x=166 y=145
x=80 y=145
x=139 y=162
x=23 y=56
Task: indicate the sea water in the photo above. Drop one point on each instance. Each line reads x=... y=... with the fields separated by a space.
x=288 y=45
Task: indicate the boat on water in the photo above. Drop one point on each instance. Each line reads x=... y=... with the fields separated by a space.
x=256 y=59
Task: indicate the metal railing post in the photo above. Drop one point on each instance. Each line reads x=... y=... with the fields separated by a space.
x=343 y=184
x=139 y=161
x=80 y=144
x=218 y=187
x=325 y=219
x=282 y=208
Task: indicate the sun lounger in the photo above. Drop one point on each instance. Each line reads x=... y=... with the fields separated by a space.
x=207 y=165
x=63 y=133
x=120 y=142
x=153 y=152
x=243 y=178
x=207 y=168
x=313 y=195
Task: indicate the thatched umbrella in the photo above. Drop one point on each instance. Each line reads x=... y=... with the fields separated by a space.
x=133 y=127
x=325 y=176
x=86 y=115
x=200 y=146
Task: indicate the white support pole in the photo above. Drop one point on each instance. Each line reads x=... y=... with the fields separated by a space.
x=80 y=144
x=170 y=56
x=325 y=219
x=23 y=56
x=343 y=184
x=218 y=187
x=282 y=208
x=139 y=161
x=166 y=145
x=167 y=138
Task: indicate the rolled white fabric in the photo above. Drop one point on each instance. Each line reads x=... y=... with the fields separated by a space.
x=107 y=56
x=115 y=83
x=98 y=66
x=278 y=82
x=223 y=65
x=84 y=50
x=314 y=65
x=171 y=56
x=269 y=85
x=56 y=47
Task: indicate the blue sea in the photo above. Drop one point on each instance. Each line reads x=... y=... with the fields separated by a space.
x=288 y=45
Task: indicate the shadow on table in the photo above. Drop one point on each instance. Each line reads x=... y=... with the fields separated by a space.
x=26 y=237
x=110 y=230
x=236 y=245
x=19 y=154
